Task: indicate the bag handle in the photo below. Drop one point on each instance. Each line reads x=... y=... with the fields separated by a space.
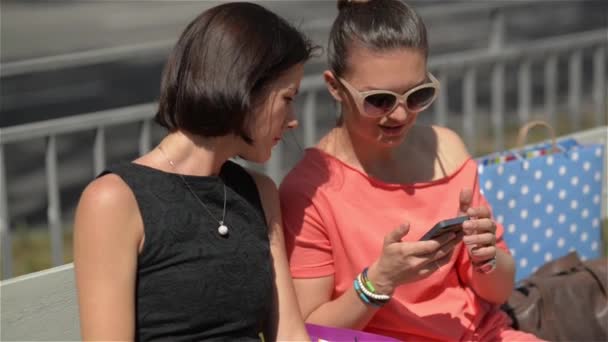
x=523 y=133
x=602 y=281
x=564 y=264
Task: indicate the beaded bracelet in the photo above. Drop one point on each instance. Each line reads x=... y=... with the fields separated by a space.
x=366 y=281
x=362 y=295
x=366 y=291
x=369 y=293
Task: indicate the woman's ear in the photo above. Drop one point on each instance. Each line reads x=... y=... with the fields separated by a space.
x=332 y=85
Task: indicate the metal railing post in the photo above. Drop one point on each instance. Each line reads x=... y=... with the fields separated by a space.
x=310 y=118
x=498 y=105
x=497 y=31
x=145 y=137
x=524 y=90
x=54 y=204
x=497 y=41
x=600 y=93
x=441 y=106
x=551 y=89
x=99 y=150
x=469 y=107
x=5 y=233
x=575 y=66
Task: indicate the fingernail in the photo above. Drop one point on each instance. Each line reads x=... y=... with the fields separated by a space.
x=467 y=240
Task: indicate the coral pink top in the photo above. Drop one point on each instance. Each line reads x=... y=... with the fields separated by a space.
x=335 y=220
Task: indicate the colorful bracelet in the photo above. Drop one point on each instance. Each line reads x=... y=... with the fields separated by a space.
x=370 y=294
x=366 y=291
x=362 y=295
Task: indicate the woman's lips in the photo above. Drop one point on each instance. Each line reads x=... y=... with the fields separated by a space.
x=392 y=130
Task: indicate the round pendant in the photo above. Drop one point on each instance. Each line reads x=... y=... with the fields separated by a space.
x=223 y=230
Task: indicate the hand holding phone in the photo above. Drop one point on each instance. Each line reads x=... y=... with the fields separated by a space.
x=445 y=226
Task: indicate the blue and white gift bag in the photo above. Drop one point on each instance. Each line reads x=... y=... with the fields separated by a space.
x=549 y=203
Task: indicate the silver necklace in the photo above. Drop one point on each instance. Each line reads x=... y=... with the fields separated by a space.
x=223 y=228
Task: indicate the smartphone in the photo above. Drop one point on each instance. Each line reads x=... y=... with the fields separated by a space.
x=445 y=226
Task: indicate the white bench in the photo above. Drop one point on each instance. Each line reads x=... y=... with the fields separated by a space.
x=40 y=306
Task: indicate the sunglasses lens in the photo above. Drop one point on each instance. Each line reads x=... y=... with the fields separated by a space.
x=379 y=104
x=420 y=99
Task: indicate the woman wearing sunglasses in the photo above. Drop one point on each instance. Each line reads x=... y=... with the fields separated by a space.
x=355 y=207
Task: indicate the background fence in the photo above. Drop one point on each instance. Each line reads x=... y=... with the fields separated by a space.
x=486 y=92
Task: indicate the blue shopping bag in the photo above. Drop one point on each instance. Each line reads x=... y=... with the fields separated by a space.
x=548 y=201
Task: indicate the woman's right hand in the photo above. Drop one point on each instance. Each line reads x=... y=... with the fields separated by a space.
x=404 y=262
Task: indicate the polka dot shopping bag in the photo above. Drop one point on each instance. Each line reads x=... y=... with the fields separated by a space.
x=548 y=199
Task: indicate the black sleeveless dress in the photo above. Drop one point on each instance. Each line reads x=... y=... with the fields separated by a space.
x=192 y=283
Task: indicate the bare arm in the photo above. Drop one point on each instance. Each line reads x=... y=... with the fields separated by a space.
x=497 y=286
x=347 y=311
x=400 y=263
x=107 y=234
x=289 y=325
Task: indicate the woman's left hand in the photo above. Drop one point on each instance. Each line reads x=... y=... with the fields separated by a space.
x=479 y=230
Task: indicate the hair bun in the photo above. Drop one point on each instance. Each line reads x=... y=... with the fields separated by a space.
x=342 y=4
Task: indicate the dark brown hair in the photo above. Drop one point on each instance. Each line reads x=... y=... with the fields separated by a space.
x=379 y=25
x=218 y=70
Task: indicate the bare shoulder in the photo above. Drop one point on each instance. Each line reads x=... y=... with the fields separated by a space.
x=109 y=191
x=451 y=146
x=106 y=202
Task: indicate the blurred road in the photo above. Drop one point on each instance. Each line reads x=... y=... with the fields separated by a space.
x=35 y=29
x=44 y=28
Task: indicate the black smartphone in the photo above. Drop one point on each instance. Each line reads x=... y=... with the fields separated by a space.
x=445 y=226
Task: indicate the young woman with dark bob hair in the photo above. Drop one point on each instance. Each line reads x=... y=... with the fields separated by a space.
x=357 y=206
x=183 y=244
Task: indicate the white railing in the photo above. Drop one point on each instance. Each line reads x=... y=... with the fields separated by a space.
x=466 y=66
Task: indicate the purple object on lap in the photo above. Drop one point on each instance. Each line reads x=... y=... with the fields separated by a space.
x=331 y=334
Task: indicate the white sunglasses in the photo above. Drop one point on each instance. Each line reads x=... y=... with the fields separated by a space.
x=378 y=103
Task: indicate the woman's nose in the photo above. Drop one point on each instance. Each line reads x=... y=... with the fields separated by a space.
x=399 y=113
x=292 y=123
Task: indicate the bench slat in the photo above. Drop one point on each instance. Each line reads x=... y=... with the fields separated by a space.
x=41 y=306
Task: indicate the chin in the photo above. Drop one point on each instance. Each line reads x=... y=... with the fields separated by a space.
x=259 y=157
x=391 y=141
